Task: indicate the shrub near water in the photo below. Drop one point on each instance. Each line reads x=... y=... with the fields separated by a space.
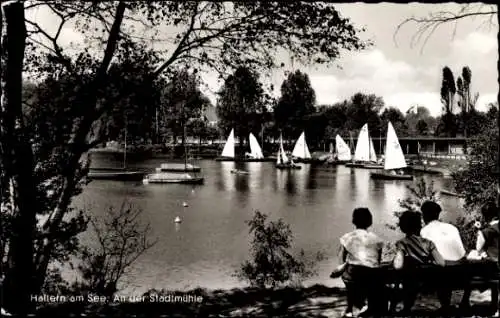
x=272 y=264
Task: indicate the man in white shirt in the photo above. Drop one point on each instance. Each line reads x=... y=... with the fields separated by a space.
x=447 y=240
x=444 y=235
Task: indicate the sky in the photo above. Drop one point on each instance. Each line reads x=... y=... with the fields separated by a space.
x=403 y=75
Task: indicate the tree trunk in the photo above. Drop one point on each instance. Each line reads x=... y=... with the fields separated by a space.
x=17 y=164
x=78 y=142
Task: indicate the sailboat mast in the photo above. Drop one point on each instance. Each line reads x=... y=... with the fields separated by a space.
x=125 y=149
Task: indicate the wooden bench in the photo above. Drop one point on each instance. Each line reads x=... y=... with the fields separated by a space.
x=467 y=275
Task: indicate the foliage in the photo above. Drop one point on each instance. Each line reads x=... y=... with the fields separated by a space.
x=241 y=103
x=397 y=118
x=272 y=264
x=122 y=238
x=364 y=109
x=214 y=35
x=419 y=121
x=478 y=182
x=182 y=101
x=296 y=102
x=418 y=193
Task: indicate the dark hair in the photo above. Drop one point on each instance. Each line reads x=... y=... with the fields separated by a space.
x=410 y=223
x=430 y=211
x=489 y=211
x=362 y=218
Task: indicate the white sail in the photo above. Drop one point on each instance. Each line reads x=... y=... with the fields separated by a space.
x=301 y=150
x=373 y=154
x=343 y=150
x=255 y=150
x=394 y=157
x=228 y=150
x=362 y=152
x=282 y=158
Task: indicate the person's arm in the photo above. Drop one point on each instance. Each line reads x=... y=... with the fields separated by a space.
x=343 y=254
x=399 y=260
x=480 y=241
x=438 y=258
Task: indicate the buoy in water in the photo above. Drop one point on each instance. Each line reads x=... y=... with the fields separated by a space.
x=177 y=219
x=184 y=204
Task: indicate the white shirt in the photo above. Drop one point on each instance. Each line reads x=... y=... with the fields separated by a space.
x=446 y=238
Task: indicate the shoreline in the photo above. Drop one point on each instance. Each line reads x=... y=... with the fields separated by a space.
x=314 y=301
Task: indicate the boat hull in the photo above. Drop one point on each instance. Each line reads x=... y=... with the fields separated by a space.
x=116 y=175
x=179 y=181
x=198 y=180
x=310 y=160
x=355 y=165
x=373 y=166
x=179 y=167
x=283 y=166
x=389 y=176
x=268 y=159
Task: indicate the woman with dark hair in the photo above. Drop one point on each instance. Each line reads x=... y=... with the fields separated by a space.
x=361 y=251
x=412 y=251
x=486 y=244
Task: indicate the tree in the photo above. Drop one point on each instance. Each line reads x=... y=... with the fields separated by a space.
x=364 y=109
x=419 y=121
x=297 y=101
x=211 y=35
x=182 y=101
x=397 y=118
x=447 y=124
x=240 y=99
x=272 y=264
x=427 y=25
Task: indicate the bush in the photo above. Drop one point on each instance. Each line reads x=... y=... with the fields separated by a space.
x=272 y=264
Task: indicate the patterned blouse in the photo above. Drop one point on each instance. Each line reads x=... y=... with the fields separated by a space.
x=362 y=247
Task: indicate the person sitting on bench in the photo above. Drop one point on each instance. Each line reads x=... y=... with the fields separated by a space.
x=361 y=252
x=486 y=244
x=447 y=240
x=411 y=252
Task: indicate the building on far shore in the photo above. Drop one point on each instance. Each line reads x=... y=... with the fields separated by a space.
x=426 y=146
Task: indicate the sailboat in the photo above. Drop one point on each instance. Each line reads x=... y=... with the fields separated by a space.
x=394 y=159
x=282 y=161
x=342 y=151
x=255 y=154
x=301 y=151
x=364 y=152
x=121 y=174
x=228 y=150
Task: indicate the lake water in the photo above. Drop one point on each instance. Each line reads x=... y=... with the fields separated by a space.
x=213 y=239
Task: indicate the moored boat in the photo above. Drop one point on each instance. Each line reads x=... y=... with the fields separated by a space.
x=373 y=166
x=178 y=167
x=168 y=177
x=115 y=174
x=394 y=159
